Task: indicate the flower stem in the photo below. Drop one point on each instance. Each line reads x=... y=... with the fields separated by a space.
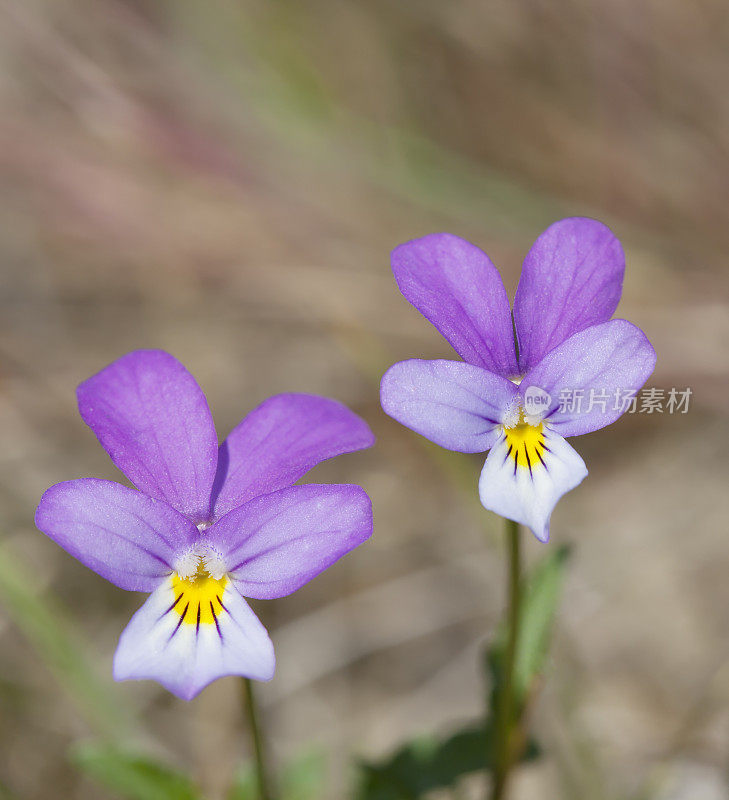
x=503 y=755
x=259 y=750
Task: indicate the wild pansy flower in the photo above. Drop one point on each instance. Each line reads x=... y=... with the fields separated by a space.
x=209 y=525
x=510 y=399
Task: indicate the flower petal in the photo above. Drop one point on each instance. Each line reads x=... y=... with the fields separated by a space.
x=163 y=644
x=571 y=278
x=455 y=286
x=592 y=373
x=279 y=442
x=153 y=419
x=527 y=489
x=123 y=535
x=276 y=543
x=455 y=405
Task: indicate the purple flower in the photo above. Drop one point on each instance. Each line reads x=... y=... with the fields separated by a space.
x=573 y=368
x=209 y=525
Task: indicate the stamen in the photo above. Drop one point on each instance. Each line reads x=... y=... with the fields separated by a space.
x=213 y=562
x=200 y=556
x=513 y=416
x=188 y=563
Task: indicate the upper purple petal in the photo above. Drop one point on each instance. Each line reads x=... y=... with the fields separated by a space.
x=455 y=405
x=278 y=542
x=125 y=536
x=280 y=441
x=153 y=419
x=571 y=279
x=595 y=369
x=455 y=286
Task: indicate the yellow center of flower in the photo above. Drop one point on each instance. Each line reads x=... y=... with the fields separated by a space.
x=199 y=598
x=526 y=443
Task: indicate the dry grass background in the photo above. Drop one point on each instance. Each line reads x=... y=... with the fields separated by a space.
x=225 y=180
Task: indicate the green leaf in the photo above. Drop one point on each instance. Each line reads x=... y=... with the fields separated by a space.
x=6 y=793
x=540 y=597
x=426 y=764
x=44 y=623
x=133 y=776
x=303 y=778
x=539 y=608
x=244 y=784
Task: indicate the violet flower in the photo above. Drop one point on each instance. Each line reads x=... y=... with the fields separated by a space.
x=209 y=525
x=511 y=401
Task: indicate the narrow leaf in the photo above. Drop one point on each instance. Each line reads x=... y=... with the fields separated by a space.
x=133 y=776
x=43 y=622
x=303 y=778
x=540 y=596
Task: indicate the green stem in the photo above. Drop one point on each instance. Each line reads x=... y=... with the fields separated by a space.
x=259 y=750
x=506 y=701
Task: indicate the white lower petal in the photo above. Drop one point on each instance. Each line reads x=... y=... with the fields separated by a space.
x=159 y=645
x=528 y=493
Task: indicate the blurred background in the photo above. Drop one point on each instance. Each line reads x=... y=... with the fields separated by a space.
x=225 y=180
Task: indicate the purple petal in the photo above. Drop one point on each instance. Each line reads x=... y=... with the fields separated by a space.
x=455 y=286
x=571 y=279
x=278 y=542
x=590 y=373
x=159 y=644
x=153 y=419
x=123 y=535
x=456 y=405
x=528 y=493
x=280 y=441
